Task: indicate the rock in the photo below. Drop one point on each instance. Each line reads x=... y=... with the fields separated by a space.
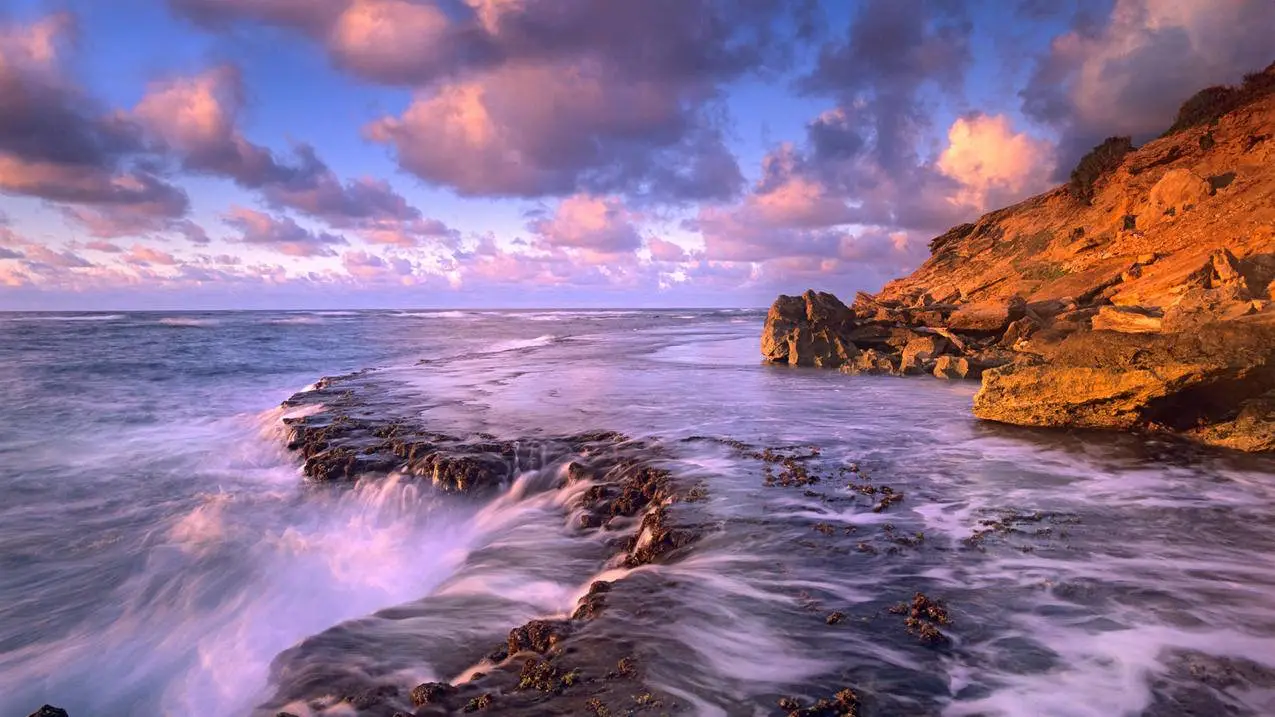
x=49 y=711
x=1019 y=330
x=872 y=362
x=1217 y=291
x=1201 y=383
x=1252 y=430
x=1178 y=191
x=988 y=317
x=953 y=367
x=431 y=693
x=920 y=350
x=785 y=317
x=809 y=330
x=538 y=636
x=1129 y=320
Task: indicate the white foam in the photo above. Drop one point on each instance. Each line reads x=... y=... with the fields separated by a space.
x=188 y=322
x=93 y=317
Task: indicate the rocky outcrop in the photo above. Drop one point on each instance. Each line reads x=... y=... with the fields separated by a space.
x=809 y=330
x=1198 y=384
x=1145 y=304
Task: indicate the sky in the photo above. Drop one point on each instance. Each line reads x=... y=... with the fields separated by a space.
x=223 y=154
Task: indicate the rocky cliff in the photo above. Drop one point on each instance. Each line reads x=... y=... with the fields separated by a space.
x=1138 y=297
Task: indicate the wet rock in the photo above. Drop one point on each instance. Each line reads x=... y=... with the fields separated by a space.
x=658 y=538
x=431 y=693
x=1128 y=319
x=843 y=704
x=593 y=603
x=49 y=711
x=538 y=636
x=924 y=617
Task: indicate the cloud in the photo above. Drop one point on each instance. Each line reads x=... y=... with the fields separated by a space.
x=198 y=118
x=889 y=52
x=103 y=246
x=994 y=165
x=550 y=97
x=10 y=254
x=600 y=225
x=666 y=251
x=1129 y=75
x=56 y=144
x=540 y=129
x=147 y=256
x=40 y=254
x=281 y=234
x=374 y=268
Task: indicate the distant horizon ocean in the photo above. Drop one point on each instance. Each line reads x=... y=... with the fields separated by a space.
x=161 y=552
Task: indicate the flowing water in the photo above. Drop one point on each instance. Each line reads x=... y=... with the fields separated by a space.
x=161 y=554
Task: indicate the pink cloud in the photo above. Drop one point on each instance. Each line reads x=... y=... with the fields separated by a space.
x=666 y=251
x=146 y=256
x=55 y=143
x=598 y=224
x=994 y=165
x=281 y=234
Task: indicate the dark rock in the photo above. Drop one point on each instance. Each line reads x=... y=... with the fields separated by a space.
x=49 y=711
x=539 y=636
x=431 y=693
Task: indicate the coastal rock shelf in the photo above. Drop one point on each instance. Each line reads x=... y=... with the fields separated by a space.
x=1141 y=297
x=345 y=429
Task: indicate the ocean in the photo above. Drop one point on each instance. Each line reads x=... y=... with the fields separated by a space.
x=161 y=552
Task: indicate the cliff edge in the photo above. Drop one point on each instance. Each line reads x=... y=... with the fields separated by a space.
x=1139 y=296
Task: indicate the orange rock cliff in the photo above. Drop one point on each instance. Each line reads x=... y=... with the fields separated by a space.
x=1141 y=296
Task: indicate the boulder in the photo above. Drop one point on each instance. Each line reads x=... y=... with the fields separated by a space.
x=1020 y=330
x=987 y=317
x=953 y=367
x=1127 y=319
x=809 y=330
x=49 y=711
x=920 y=351
x=1201 y=383
x=1179 y=190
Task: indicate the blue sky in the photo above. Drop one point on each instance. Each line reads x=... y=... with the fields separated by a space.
x=420 y=153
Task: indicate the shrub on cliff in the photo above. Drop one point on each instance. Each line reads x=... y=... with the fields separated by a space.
x=1210 y=103
x=1100 y=161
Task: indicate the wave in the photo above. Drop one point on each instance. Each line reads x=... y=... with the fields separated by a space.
x=431 y=314
x=297 y=321
x=521 y=344
x=189 y=322
x=333 y=313
x=92 y=317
